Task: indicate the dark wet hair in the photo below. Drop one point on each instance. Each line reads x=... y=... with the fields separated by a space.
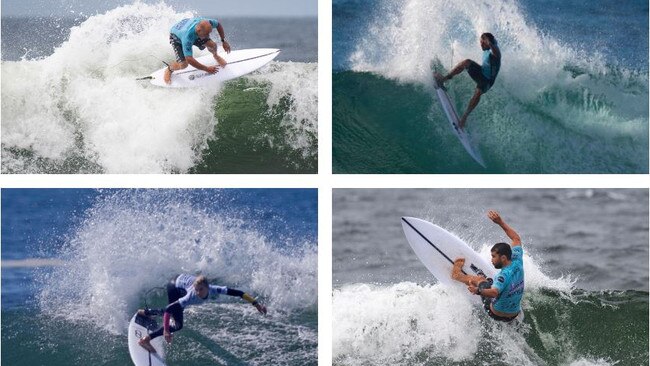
x=489 y=36
x=503 y=249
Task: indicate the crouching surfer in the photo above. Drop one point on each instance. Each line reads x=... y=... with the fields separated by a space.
x=182 y=291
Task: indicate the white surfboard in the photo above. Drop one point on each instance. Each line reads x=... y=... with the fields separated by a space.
x=240 y=63
x=452 y=116
x=437 y=249
x=138 y=328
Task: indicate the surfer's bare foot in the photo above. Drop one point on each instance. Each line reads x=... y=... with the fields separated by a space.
x=439 y=78
x=461 y=123
x=145 y=342
x=168 y=76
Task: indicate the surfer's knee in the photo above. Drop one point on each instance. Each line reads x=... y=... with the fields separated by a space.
x=466 y=63
x=182 y=65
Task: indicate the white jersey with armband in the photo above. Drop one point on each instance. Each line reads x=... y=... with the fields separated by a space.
x=192 y=298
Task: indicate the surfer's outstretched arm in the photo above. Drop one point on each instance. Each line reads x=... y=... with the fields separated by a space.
x=512 y=234
x=233 y=292
x=458 y=274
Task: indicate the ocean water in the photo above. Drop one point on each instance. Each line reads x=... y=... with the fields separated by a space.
x=586 y=264
x=71 y=103
x=77 y=263
x=571 y=96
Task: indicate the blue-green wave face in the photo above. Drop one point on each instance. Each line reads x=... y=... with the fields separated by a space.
x=562 y=103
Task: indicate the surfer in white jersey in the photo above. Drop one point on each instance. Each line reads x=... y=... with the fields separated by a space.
x=195 y=32
x=484 y=75
x=502 y=295
x=182 y=291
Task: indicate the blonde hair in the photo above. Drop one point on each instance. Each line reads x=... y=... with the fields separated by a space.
x=201 y=280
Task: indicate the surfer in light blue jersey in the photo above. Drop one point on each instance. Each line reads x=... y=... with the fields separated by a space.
x=502 y=295
x=195 y=32
x=182 y=291
x=484 y=75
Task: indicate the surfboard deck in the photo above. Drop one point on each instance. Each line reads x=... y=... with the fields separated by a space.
x=140 y=326
x=437 y=249
x=240 y=63
x=453 y=119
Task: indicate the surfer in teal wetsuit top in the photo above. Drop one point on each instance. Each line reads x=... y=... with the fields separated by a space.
x=194 y=32
x=182 y=291
x=484 y=75
x=501 y=296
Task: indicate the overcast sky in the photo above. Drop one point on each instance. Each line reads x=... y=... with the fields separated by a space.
x=221 y=8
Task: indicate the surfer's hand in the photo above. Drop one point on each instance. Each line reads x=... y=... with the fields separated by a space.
x=168 y=337
x=261 y=308
x=212 y=69
x=494 y=216
x=472 y=289
x=226 y=46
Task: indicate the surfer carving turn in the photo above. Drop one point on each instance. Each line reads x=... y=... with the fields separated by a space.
x=501 y=297
x=182 y=291
x=195 y=32
x=484 y=75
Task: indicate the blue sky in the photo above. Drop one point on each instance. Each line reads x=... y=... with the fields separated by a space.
x=220 y=8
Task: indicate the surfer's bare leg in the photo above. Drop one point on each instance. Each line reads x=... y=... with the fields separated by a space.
x=212 y=47
x=145 y=342
x=460 y=67
x=171 y=68
x=458 y=275
x=476 y=98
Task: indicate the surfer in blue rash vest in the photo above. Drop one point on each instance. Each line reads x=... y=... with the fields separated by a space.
x=501 y=296
x=195 y=32
x=484 y=75
x=182 y=291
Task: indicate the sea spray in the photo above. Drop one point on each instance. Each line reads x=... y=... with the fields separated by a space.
x=129 y=242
